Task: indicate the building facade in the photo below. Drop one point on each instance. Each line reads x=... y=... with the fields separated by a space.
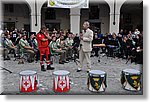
x=106 y=16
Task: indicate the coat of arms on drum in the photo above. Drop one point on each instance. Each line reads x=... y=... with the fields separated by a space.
x=134 y=81
x=96 y=82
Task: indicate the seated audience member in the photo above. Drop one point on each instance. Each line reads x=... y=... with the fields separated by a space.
x=136 y=32
x=113 y=44
x=14 y=35
x=119 y=37
x=96 y=41
x=17 y=39
x=69 y=42
x=75 y=45
x=55 y=49
x=127 y=47
x=54 y=31
x=26 y=48
x=121 y=32
x=61 y=44
x=76 y=40
x=9 y=45
x=124 y=49
x=139 y=49
x=5 y=50
x=58 y=35
x=33 y=43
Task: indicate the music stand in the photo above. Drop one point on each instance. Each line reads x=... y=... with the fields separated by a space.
x=98 y=43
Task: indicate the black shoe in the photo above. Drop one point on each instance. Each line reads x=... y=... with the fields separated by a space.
x=61 y=62
x=96 y=55
x=42 y=68
x=79 y=70
x=51 y=62
x=50 y=68
x=65 y=61
x=92 y=56
x=68 y=59
x=6 y=58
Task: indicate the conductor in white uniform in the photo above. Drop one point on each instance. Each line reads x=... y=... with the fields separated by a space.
x=85 y=46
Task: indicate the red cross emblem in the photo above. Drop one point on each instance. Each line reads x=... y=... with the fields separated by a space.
x=26 y=83
x=62 y=84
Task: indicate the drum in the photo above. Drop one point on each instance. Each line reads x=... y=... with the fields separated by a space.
x=130 y=79
x=61 y=82
x=96 y=81
x=28 y=81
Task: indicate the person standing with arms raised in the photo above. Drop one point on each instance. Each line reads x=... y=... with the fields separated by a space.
x=43 y=41
x=85 y=46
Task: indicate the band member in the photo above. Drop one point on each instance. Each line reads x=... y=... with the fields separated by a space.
x=62 y=45
x=43 y=42
x=55 y=49
x=26 y=48
x=85 y=46
x=9 y=45
x=69 y=42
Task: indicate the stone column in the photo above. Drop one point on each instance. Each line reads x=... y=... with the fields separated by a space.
x=35 y=15
x=114 y=23
x=75 y=20
x=117 y=6
x=1 y=15
x=35 y=24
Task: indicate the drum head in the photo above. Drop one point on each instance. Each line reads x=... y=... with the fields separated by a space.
x=28 y=72
x=131 y=71
x=97 y=72
x=61 y=72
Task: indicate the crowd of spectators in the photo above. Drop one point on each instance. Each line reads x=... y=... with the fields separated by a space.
x=64 y=43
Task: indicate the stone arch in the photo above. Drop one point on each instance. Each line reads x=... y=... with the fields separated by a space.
x=21 y=11
x=58 y=19
x=100 y=23
x=131 y=15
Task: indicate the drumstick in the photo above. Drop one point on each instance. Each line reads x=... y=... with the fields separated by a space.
x=5 y=69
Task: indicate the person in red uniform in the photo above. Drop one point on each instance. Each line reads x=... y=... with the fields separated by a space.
x=43 y=42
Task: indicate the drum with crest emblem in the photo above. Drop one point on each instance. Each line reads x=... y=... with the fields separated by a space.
x=130 y=79
x=96 y=81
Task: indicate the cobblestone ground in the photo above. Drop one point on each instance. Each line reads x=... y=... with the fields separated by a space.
x=112 y=66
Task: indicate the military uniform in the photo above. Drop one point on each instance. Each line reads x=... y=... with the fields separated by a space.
x=22 y=44
x=9 y=46
x=54 y=49
x=62 y=45
x=69 y=42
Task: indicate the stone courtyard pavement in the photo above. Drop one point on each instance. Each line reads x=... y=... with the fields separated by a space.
x=112 y=66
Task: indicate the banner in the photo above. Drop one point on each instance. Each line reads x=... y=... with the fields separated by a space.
x=68 y=3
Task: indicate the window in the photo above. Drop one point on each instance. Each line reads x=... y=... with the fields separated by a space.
x=9 y=8
x=9 y=25
x=50 y=14
x=94 y=12
x=51 y=26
